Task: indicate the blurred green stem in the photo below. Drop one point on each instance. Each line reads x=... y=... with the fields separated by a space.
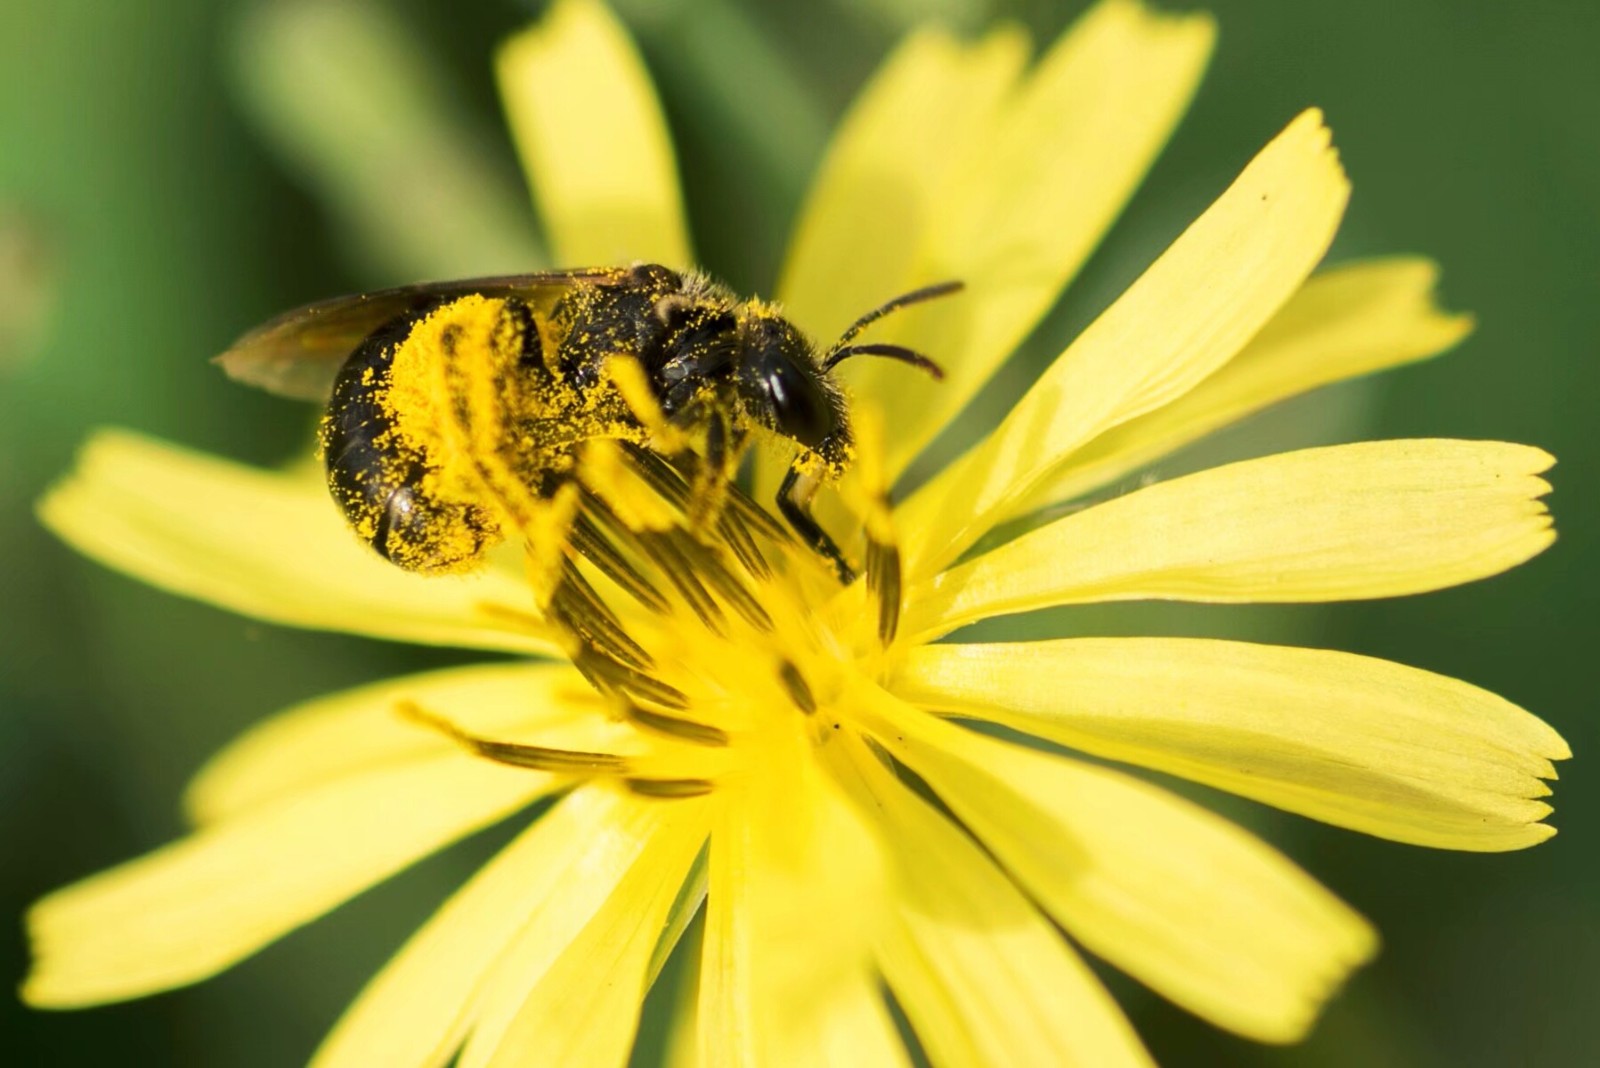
x=350 y=99
x=744 y=84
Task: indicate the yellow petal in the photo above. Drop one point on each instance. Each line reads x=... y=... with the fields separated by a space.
x=617 y=870
x=361 y=729
x=872 y=204
x=271 y=546
x=1378 y=519
x=795 y=897
x=1185 y=902
x=984 y=978
x=585 y=1009
x=415 y=1012
x=870 y=226
x=949 y=169
x=1186 y=316
x=191 y=909
x=592 y=139
x=853 y=1027
x=858 y=239
x=1350 y=740
x=1346 y=321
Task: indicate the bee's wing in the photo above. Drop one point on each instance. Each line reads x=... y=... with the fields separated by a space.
x=298 y=354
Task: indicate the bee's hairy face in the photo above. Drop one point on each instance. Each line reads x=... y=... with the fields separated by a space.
x=785 y=388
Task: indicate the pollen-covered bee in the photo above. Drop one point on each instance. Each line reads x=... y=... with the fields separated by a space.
x=458 y=408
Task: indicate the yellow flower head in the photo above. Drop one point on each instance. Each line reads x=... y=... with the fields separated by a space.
x=816 y=765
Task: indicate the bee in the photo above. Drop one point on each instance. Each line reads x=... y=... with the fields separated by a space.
x=452 y=403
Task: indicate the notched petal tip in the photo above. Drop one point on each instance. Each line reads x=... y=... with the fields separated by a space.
x=1311 y=128
x=1353 y=741
x=1558 y=750
x=1344 y=522
x=1540 y=461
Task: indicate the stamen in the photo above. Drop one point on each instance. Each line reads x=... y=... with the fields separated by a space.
x=876 y=512
x=659 y=474
x=591 y=541
x=758 y=517
x=536 y=757
x=676 y=727
x=799 y=689
x=655 y=547
x=577 y=605
x=671 y=485
x=743 y=544
x=609 y=675
x=706 y=562
x=669 y=789
x=545 y=532
x=883 y=582
x=666 y=554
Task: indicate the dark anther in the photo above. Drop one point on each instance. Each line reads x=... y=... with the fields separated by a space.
x=734 y=531
x=590 y=540
x=883 y=582
x=669 y=789
x=536 y=757
x=659 y=474
x=667 y=556
x=799 y=689
x=675 y=726
x=577 y=605
x=758 y=517
x=705 y=561
x=607 y=674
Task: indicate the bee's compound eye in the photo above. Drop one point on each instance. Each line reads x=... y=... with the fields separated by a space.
x=799 y=408
x=421 y=534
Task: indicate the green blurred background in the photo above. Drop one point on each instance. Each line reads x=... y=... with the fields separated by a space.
x=172 y=172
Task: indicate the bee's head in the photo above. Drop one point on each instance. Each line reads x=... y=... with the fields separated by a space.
x=785 y=386
x=791 y=389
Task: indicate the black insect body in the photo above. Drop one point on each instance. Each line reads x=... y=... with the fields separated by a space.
x=456 y=407
x=378 y=477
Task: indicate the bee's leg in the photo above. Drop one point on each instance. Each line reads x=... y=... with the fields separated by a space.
x=794 y=501
x=717 y=443
x=711 y=478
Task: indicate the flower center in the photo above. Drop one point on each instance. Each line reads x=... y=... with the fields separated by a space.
x=714 y=634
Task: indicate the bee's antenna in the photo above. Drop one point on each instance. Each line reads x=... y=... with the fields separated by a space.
x=893 y=352
x=916 y=296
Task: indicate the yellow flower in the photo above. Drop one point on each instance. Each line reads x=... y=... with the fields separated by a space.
x=811 y=785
